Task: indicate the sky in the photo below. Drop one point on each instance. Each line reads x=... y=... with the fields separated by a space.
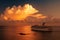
x=46 y=7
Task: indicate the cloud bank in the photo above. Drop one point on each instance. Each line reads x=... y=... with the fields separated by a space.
x=21 y=13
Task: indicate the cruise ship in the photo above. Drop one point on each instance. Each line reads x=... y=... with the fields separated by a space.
x=42 y=28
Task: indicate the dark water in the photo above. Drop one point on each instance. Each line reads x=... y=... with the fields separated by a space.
x=10 y=33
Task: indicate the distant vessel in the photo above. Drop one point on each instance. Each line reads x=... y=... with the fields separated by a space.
x=22 y=33
x=42 y=28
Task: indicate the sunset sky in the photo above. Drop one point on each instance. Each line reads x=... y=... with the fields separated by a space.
x=46 y=7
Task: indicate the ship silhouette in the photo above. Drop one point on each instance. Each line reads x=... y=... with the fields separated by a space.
x=42 y=28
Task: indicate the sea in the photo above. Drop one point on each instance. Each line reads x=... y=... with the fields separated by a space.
x=25 y=33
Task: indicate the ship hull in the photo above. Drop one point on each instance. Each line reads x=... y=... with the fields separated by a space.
x=41 y=28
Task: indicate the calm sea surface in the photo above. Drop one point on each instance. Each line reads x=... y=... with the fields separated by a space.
x=13 y=33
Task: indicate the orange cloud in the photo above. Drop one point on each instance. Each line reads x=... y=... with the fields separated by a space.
x=20 y=13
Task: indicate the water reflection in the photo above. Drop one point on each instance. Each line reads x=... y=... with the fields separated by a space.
x=11 y=33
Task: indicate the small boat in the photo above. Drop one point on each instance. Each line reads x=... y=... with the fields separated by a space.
x=22 y=34
x=42 y=28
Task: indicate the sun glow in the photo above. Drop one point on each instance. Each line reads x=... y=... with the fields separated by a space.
x=24 y=14
x=20 y=13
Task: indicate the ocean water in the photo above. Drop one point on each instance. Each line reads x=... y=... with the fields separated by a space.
x=13 y=33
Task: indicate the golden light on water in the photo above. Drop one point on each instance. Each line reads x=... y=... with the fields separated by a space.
x=21 y=13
